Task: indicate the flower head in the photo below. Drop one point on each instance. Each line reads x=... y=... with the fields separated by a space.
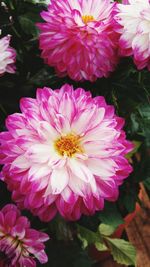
x=7 y=56
x=19 y=244
x=78 y=39
x=65 y=152
x=134 y=26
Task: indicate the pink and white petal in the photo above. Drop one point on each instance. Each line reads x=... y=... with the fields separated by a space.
x=80 y=170
x=21 y=162
x=78 y=186
x=27 y=262
x=37 y=171
x=39 y=153
x=140 y=43
x=67 y=106
x=29 y=103
x=62 y=124
x=31 y=235
x=77 y=17
x=102 y=167
x=92 y=148
x=99 y=116
x=68 y=195
x=43 y=237
x=41 y=256
x=18 y=231
x=82 y=121
x=108 y=189
x=101 y=133
x=59 y=180
x=47 y=131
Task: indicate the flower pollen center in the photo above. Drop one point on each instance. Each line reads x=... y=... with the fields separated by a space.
x=87 y=18
x=68 y=145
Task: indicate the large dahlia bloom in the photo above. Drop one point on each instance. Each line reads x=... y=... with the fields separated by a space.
x=65 y=152
x=7 y=56
x=78 y=39
x=19 y=244
x=134 y=26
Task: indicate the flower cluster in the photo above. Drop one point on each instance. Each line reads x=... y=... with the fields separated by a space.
x=78 y=39
x=7 y=56
x=65 y=152
x=85 y=40
x=134 y=21
x=19 y=244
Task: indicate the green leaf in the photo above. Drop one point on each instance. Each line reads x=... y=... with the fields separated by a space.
x=46 y=2
x=137 y=145
x=100 y=246
x=61 y=228
x=129 y=201
x=135 y=125
x=143 y=117
x=122 y=251
x=84 y=241
x=106 y=229
x=147 y=183
x=88 y=235
x=110 y=215
x=28 y=25
x=144 y=111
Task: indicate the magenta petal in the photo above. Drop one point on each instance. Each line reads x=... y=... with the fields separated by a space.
x=10 y=218
x=18 y=241
x=41 y=256
x=85 y=46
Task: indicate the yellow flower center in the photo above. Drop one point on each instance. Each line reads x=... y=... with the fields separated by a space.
x=68 y=145
x=87 y=18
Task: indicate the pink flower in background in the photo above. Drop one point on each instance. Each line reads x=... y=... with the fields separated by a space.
x=134 y=26
x=125 y=2
x=65 y=152
x=7 y=56
x=78 y=39
x=19 y=244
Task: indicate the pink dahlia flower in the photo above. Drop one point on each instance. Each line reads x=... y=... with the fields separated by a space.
x=19 y=244
x=78 y=39
x=134 y=26
x=65 y=152
x=7 y=56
